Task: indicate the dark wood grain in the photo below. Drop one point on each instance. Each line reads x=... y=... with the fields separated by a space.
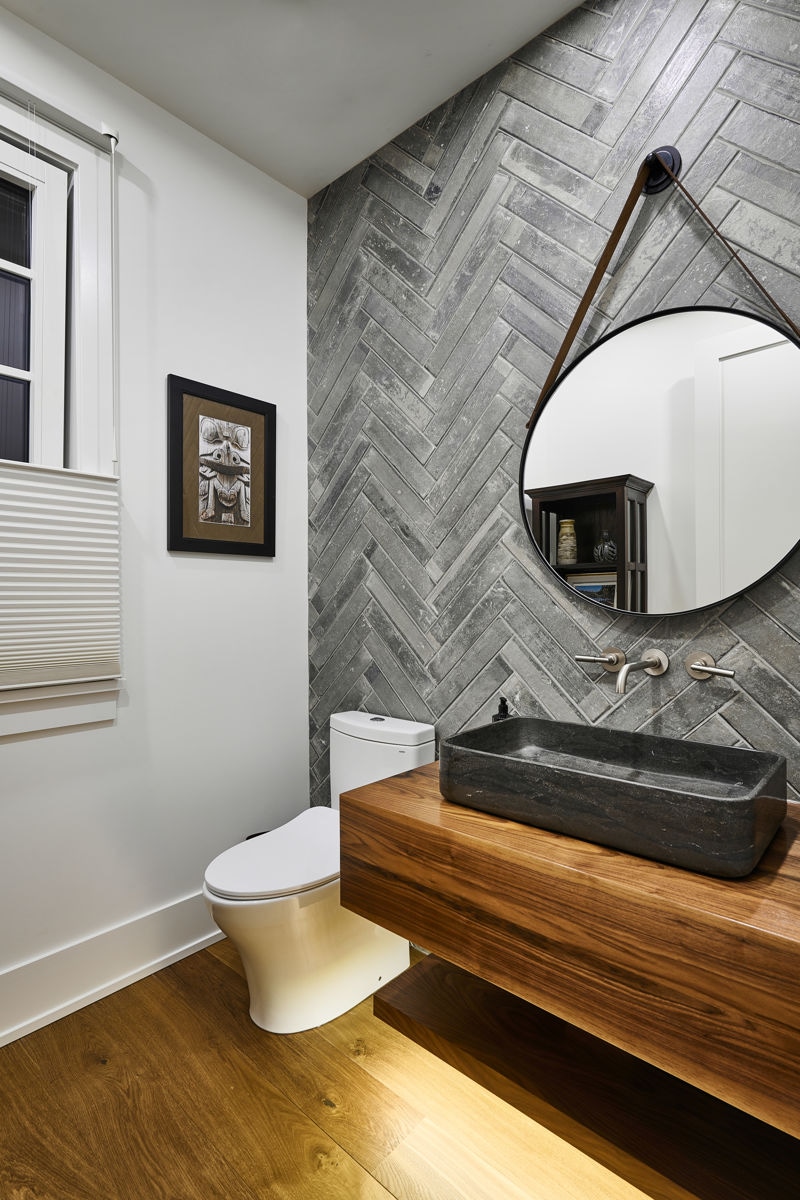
x=697 y=976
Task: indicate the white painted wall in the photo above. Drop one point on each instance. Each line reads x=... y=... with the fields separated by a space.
x=105 y=831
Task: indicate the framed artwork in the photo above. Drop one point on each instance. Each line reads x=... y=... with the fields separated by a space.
x=220 y=470
x=602 y=588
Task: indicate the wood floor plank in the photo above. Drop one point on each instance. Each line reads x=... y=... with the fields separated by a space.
x=167 y=1090
x=496 y=1116
x=42 y=1152
x=436 y=1164
x=274 y=1145
x=112 y=1117
x=349 y=1104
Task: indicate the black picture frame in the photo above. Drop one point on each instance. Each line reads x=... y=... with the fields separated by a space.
x=220 y=470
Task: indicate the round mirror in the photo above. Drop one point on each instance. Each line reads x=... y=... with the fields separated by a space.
x=661 y=475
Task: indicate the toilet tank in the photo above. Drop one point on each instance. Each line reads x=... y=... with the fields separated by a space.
x=366 y=747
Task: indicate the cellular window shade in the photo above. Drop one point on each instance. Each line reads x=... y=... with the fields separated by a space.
x=59 y=576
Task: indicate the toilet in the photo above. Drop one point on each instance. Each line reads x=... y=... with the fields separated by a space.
x=276 y=896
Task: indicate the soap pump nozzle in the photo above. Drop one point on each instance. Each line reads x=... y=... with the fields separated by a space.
x=502 y=710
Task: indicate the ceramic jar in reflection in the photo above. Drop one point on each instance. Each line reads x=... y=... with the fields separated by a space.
x=567 y=547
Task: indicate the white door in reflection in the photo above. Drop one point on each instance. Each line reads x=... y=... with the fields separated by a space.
x=746 y=456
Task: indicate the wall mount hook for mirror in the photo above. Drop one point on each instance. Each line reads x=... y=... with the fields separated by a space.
x=660 y=168
x=660 y=177
x=655 y=662
x=611 y=658
x=702 y=666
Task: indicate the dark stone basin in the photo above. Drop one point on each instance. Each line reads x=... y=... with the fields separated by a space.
x=712 y=809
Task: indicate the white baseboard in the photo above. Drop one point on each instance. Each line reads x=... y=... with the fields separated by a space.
x=34 y=993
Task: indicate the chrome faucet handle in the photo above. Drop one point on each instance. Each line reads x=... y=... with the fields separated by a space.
x=611 y=658
x=702 y=666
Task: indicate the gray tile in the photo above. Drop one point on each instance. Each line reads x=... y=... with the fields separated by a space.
x=463 y=371
x=483 y=652
x=469 y=291
x=398 y=359
x=565 y=184
x=476 y=696
x=385 y=313
x=393 y=673
x=348 y=573
x=391 y=255
x=326 y=552
x=442 y=275
x=764 y=84
x=475 y=207
x=651 y=44
x=481 y=416
x=403 y=460
x=548 y=215
x=774 y=38
x=562 y=143
x=468 y=528
x=566 y=103
x=665 y=87
x=475 y=574
x=397 y=195
x=413 y=631
x=569 y=64
x=383 y=624
x=471 y=483
x=409 y=169
x=395 y=390
x=769 y=136
x=401 y=588
x=398 y=551
x=488 y=607
x=767 y=185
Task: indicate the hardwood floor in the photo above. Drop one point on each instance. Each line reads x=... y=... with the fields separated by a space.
x=167 y=1090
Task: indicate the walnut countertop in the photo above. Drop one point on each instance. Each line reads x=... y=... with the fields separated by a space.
x=695 y=975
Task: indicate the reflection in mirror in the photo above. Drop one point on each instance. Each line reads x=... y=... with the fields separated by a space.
x=674 y=438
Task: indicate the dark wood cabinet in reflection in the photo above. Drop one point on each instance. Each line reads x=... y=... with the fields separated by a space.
x=610 y=509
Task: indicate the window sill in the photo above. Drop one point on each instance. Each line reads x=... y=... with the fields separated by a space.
x=57 y=706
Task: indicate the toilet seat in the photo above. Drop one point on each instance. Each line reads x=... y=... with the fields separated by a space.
x=295 y=857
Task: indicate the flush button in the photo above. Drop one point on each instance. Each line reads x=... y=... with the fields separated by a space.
x=377 y=718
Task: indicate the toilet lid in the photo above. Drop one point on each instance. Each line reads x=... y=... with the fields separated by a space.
x=297 y=856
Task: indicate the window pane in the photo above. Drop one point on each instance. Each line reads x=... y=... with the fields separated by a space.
x=14 y=405
x=15 y=302
x=15 y=224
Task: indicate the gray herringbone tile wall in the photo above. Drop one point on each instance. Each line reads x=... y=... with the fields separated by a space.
x=443 y=274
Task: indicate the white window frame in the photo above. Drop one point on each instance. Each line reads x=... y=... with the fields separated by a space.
x=90 y=407
x=88 y=413
x=47 y=274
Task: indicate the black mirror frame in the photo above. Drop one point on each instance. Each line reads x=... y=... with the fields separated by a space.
x=546 y=399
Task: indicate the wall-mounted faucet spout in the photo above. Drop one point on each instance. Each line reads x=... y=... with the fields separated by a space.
x=655 y=662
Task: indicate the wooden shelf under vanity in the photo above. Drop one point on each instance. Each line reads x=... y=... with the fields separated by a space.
x=698 y=977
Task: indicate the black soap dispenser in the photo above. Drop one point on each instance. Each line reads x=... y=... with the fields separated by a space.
x=502 y=710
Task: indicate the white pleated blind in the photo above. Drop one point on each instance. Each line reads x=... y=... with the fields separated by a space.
x=59 y=576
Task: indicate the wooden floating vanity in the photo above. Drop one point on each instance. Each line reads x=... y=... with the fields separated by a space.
x=698 y=977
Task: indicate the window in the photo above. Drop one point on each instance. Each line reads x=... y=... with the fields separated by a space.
x=33 y=292
x=59 y=500
x=56 y=323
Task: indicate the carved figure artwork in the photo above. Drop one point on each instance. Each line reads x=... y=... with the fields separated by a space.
x=224 y=494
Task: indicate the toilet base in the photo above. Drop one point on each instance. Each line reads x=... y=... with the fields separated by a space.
x=307 y=960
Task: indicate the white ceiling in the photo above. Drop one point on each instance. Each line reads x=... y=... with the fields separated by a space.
x=303 y=89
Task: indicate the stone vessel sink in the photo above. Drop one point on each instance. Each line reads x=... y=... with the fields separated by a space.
x=712 y=809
